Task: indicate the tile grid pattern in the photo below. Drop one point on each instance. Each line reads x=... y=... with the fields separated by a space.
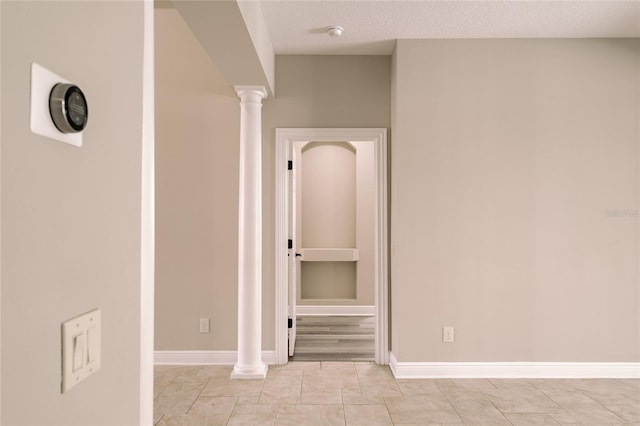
x=362 y=393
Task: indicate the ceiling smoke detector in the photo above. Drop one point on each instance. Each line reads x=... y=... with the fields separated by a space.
x=335 y=31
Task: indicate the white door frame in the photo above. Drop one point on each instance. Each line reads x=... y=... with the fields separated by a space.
x=284 y=139
x=147 y=223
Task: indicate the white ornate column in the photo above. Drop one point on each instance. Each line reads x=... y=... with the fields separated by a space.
x=250 y=365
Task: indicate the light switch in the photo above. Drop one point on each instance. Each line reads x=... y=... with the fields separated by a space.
x=93 y=344
x=80 y=348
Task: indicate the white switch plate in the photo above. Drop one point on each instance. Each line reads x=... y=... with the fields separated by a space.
x=42 y=81
x=204 y=325
x=80 y=348
x=447 y=334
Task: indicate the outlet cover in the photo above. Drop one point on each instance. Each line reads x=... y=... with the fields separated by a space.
x=447 y=334
x=204 y=325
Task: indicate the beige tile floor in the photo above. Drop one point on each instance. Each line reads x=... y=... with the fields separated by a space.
x=348 y=393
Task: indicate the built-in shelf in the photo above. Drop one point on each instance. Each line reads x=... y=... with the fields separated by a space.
x=329 y=254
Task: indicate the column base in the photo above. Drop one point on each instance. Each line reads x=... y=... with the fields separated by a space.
x=258 y=372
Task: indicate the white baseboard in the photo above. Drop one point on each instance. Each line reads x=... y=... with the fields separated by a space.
x=205 y=357
x=514 y=370
x=339 y=310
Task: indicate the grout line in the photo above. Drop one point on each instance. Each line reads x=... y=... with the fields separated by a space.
x=235 y=404
x=199 y=393
x=451 y=404
x=386 y=407
x=583 y=393
x=496 y=407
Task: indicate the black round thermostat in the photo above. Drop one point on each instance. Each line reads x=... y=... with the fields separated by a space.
x=68 y=108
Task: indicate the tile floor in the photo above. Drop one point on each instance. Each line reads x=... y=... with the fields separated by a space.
x=352 y=393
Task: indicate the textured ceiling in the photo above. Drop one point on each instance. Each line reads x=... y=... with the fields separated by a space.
x=372 y=26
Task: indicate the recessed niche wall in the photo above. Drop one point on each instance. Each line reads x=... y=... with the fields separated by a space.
x=328 y=190
x=328 y=280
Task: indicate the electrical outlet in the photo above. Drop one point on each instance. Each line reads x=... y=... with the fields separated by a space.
x=204 y=325
x=447 y=334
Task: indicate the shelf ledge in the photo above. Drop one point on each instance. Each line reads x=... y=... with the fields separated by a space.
x=329 y=254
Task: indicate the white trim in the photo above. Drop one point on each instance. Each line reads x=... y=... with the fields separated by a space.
x=338 y=310
x=269 y=357
x=381 y=251
x=514 y=370
x=204 y=357
x=282 y=266
x=0 y=227
x=284 y=138
x=147 y=220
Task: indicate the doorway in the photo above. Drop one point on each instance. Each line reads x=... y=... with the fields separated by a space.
x=331 y=229
x=344 y=256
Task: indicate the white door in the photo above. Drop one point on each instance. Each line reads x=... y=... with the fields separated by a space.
x=293 y=257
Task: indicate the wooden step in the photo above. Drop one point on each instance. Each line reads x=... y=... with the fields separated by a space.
x=340 y=337
x=334 y=338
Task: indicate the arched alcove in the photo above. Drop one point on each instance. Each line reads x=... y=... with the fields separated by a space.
x=328 y=218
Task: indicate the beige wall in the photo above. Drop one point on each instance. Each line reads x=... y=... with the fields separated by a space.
x=257 y=28
x=515 y=200
x=315 y=91
x=197 y=173
x=197 y=134
x=71 y=216
x=327 y=195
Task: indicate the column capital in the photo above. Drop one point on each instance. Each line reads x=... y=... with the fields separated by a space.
x=254 y=93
